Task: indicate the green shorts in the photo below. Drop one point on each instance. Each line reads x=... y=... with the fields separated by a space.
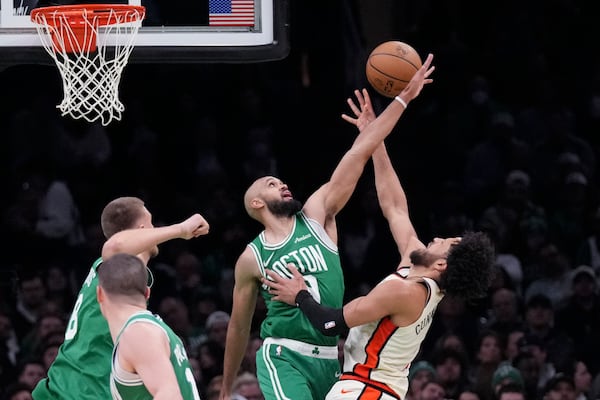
x=292 y=370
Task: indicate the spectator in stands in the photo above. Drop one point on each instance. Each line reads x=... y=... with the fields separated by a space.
x=246 y=386
x=540 y=325
x=216 y=327
x=432 y=390
x=505 y=314
x=560 y=387
x=511 y=391
x=532 y=347
x=511 y=345
x=30 y=372
x=30 y=301
x=17 y=391
x=506 y=375
x=580 y=318
x=553 y=282
x=419 y=373
x=451 y=367
x=487 y=359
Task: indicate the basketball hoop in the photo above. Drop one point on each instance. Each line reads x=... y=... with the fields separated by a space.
x=90 y=44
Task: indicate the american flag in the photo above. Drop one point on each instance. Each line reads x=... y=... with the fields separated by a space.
x=231 y=12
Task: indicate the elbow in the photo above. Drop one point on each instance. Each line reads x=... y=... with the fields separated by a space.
x=390 y=210
x=387 y=207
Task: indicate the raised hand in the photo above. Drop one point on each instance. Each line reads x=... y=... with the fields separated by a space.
x=365 y=114
x=419 y=79
x=193 y=227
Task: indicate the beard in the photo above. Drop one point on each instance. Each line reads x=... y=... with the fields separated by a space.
x=418 y=257
x=281 y=208
x=422 y=257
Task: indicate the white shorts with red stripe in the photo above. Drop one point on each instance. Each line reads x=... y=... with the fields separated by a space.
x=355 y=390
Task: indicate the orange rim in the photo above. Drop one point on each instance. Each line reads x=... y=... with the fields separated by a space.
x=100 y=14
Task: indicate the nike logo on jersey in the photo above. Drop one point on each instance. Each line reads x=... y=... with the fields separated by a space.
x=345 y=391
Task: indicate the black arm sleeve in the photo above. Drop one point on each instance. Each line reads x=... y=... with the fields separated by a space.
x=327 y=320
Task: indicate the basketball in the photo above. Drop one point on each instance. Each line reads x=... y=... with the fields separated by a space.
x=390 y=67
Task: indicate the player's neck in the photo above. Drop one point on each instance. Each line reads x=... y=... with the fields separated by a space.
x=278 y=228
x=418 y=271
x=118 y=316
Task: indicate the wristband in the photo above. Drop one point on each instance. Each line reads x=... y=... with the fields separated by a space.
x=327 y=320
x=401 y=101
x=301 y=296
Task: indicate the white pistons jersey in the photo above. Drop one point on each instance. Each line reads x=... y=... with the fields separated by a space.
x=379 y=353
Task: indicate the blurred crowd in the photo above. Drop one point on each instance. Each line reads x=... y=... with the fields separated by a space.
x=505 y=141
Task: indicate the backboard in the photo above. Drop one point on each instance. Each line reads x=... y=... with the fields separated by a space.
x=174 y=31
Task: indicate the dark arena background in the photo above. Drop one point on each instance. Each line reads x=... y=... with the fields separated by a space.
x=505 y=140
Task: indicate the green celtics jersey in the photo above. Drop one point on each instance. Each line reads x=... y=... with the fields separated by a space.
x=126 y=385
x=82 y=367
x=311 y=250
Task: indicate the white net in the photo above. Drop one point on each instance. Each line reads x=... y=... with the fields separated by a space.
x=91 y=48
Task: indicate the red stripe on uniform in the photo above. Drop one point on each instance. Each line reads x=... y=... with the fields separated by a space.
x=375 y=345
x=369 y=393
x=377 y=386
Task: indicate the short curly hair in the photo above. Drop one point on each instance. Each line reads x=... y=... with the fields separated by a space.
x=469 y=270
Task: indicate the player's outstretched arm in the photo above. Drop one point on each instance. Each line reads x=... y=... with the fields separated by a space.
x=394 y=204
x=137 y=241
x=332 y=196
x=390 y=193
x=381 y=301
x=293 y=291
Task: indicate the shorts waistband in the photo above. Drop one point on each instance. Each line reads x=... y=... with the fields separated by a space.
x=306 y=349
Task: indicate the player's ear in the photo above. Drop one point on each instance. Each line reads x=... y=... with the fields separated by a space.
x=256 y=203
x=100 y=294
x=440 y=264
x=147 y=292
